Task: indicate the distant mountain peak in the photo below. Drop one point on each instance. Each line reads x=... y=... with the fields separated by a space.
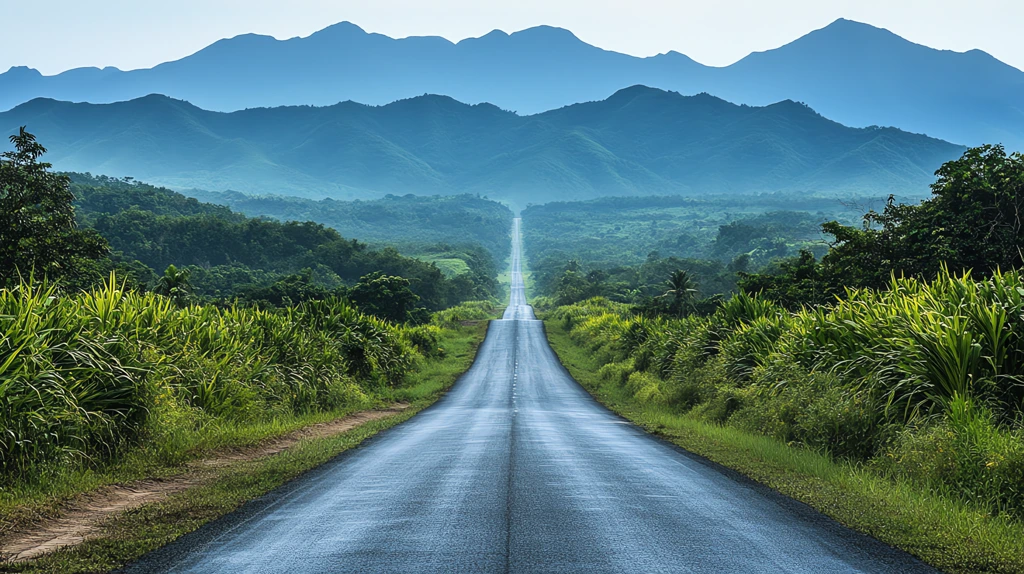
x=675 y=56
x=850 y=71
x=841 y=22
x=23 y=71
x=439 y=101
x=845 y=34
x=845 y=24
x=638 y=90
x=428 y=98
x=793 y=107
x=344 y=27
x=546 y=33
x=642 y=90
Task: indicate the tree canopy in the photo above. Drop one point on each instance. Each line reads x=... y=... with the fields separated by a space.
x=38 y=232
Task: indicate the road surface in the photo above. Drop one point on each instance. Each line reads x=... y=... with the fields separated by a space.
x=518 y=469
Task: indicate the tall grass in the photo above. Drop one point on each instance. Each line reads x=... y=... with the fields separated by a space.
x=84 y=377
x=922 y=381
x=468 y=311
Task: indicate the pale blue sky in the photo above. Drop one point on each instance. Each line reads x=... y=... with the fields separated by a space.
x=55 y=35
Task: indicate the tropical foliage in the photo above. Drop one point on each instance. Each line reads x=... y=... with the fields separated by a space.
x=79 y=228
x=971 y=222
x=85 y=377
x=406 y=221
x=625 y=248
x=614 y=231
x=888 y=352
x=37 y=219
x=92 y=370
x=920 y=381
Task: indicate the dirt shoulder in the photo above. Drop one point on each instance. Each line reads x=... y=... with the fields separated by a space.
x=83 y=517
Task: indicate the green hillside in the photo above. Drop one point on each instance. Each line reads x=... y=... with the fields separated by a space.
x=228 y=254
x=406 y=221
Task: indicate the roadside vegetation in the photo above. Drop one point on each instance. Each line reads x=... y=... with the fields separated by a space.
x=89 y=377
x=126 y=378
x=945 y=532
x=221 y=488
x=898 y=355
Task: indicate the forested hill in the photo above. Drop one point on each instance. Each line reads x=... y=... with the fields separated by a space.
x=638 y=141
x=229 y=255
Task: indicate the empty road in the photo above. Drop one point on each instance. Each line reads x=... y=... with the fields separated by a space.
x=518 y=469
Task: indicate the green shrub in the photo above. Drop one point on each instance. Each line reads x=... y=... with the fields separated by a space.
x=965 y=455
x=425 y=339
x=645 y=387
x=468 y=311
x=722 y=405
x=618 y=373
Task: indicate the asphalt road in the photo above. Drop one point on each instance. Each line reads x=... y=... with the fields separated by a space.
x=518 y=469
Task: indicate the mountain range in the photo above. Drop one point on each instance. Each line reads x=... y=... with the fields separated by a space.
x=854 y=73
x=639 y=141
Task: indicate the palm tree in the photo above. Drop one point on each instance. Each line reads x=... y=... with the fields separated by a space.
x=174 y=284
x=681 y=291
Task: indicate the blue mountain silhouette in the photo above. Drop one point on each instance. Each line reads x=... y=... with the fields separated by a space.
x=853 y=73
x=639 y=141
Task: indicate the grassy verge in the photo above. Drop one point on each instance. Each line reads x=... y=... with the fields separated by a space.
x=139 y=531
x=947 y=534
x=432 y=378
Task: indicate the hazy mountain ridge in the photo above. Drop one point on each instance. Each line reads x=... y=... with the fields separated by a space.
x=638 y=141
x=853 y=73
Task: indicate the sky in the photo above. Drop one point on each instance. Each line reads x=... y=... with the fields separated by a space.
x=56 y=35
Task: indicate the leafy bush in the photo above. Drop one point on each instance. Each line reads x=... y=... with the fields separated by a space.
x=618 y=373
x=645 y=387
x=965 y=455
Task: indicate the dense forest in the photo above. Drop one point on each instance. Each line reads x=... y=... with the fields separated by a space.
x=228 y=255
x=624 y=230
x=407 y=222
x=900 y=349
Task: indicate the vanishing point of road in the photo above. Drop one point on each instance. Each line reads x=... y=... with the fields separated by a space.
x=518 y=469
